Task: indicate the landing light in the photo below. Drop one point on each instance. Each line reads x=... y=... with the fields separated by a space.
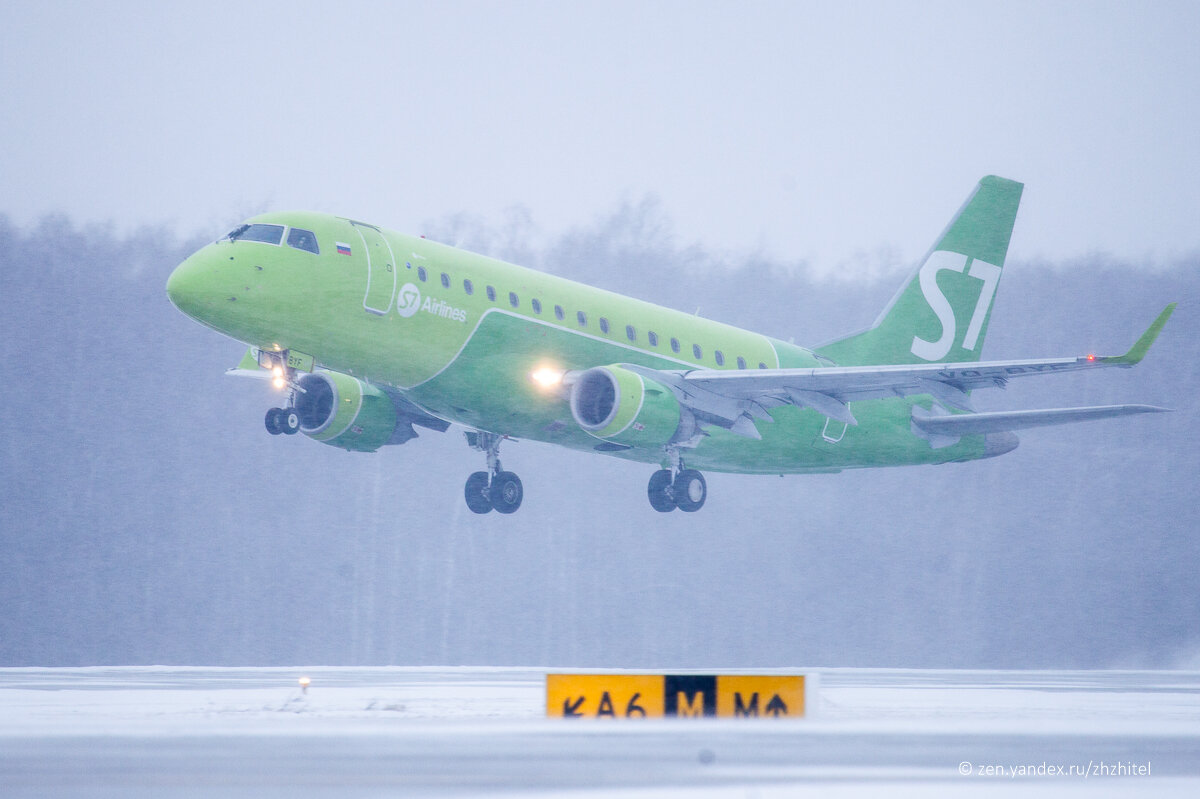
x=279 y=380
x=547 y=377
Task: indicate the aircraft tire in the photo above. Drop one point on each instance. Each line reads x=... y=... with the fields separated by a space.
x=272 y=422
x=289 y=421
x=476 y=493
x=689 y=490
x=659 y=491
x=506 y=492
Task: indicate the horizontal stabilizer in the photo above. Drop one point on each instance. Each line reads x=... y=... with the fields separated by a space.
x=1002 y=421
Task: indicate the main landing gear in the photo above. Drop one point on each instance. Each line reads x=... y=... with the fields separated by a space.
x=494 y=489
x=677 y=487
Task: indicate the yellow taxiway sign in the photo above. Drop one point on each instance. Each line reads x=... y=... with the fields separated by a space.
x=639 y=696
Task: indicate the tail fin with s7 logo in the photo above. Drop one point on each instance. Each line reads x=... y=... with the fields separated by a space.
x=941 y=314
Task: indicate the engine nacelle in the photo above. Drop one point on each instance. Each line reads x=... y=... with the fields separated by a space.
x=619 y=405
x=344 y=411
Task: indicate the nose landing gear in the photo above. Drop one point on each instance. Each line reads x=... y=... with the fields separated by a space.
x=285 y=420
x=282 y=420
x=494 y=489
x=677 y=487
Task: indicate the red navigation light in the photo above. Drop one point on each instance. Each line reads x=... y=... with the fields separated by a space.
x=1091 y=357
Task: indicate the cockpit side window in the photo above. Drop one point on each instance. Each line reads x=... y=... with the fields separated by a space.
x=268 y=234
x=303 y=240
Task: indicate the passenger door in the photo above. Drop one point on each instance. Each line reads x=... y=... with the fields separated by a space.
x=381 y=269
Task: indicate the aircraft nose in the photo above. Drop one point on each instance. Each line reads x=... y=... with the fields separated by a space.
x=177 y=288
x=188 y=286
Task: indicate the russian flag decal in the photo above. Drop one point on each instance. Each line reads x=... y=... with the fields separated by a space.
x=342 y=247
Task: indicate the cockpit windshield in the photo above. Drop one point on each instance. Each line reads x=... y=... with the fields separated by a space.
x=303 y=240
x=268 y=234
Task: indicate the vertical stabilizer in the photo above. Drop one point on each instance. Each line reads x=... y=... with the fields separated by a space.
x=941 y=314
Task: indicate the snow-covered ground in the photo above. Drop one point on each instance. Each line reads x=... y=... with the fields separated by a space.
x=167 y=731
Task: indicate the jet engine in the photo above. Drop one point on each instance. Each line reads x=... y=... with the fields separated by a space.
x=619 y=405
x=344 y=411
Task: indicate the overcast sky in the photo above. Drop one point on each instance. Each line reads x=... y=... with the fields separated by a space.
x=802 y=130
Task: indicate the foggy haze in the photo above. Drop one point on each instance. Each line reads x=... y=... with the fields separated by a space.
x=147 y=517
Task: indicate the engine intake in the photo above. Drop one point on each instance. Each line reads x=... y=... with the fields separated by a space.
x=344 y=412
x=616 y=404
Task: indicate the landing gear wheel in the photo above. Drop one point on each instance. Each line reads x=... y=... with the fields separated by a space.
x=659 y=491
x=689 y=490
x=506 y=492
x=494 y=489
x=289 y=421
x=273 y=422
x=478 y=499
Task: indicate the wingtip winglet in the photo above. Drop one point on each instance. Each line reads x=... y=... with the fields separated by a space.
x=249 y=361
x=1142 y=345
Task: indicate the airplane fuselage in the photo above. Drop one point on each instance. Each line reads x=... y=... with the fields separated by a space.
x=460 y=335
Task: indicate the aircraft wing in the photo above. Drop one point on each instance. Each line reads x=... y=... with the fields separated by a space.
x=1002 y=421
x=732 y=399
x=941 y=429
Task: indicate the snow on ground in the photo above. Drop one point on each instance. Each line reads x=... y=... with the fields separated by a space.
x=168 y=731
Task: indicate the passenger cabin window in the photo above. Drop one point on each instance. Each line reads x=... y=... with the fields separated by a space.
x=536 y=304
x=603 y=325
x=653 y=338
x=445 y=280
x=559 y=313
x=267 y=234
x=303 y=240
x=468 y=287
x=697 y=351
x=720 y=356
x=512 y=299
x=674 y=345
x=581 y=317
x=421 y=275
x=630 y=333
x=741 y=362
x=491 y=292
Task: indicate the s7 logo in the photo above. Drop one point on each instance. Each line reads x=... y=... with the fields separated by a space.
x=954 y=262
x=408 y=301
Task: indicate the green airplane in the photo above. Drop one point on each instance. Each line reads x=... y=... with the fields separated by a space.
x=371 y=333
